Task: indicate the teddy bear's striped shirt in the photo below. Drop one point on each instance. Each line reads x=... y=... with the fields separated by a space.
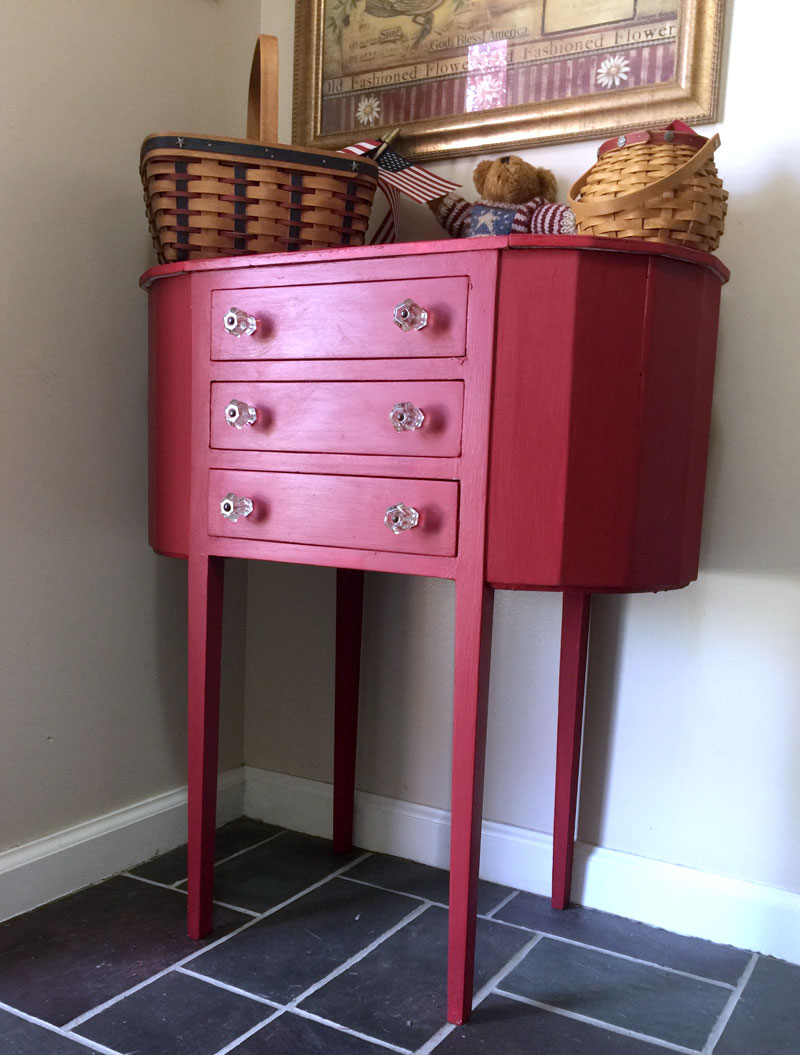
x=464 y=219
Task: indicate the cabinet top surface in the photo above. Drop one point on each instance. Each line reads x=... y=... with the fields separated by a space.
x=485 y=245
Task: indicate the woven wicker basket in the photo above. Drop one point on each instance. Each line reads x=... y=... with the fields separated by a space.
x=208 y=197
x=659 y=185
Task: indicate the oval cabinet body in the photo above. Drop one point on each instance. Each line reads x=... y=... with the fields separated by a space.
x=595 y=363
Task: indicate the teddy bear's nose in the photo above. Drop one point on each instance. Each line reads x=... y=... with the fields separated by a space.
x=505 y=160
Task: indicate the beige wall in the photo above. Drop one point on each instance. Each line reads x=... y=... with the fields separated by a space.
x=91 y=622
x=693 y=717
x=693 y=727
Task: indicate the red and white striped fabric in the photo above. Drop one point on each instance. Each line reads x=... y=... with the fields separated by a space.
x=463 y=219
x=543 y=217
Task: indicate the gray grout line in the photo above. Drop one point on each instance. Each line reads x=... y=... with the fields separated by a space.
x=618 y=955
x=177 y=883
x=506 y=969
x=177 y=890
x=392 y=890
x=727 y=1011
x=232 y=1045
x=211 y=945
x=246 y=850
x=499 y=905
x=80 y=1019
x=152 y=882
x=229 y=988
x=635 y=959
x=436 y=1039
x=359 y=955
x=238 y=908
x=292 y=1006
x=61 y=1031
x=439 y=904
x=609 y=1026
x=350 y=1032
x=489 y=987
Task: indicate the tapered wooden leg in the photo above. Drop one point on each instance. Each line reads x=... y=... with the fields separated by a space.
x=349 y=612
x=204 y=653
x=474 y=605
x=571 y=686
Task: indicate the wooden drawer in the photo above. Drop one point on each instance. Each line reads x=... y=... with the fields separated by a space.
x=342 y=320
x=341 y=511
x=339 y=417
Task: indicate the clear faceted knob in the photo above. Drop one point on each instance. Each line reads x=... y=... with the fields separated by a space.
x=239 y=414
x=410 y=316
x=401 y=518
x=239 y=323
x=406 y=417
x=234 y=506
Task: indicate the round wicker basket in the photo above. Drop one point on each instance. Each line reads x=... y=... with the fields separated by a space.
x=659 y=185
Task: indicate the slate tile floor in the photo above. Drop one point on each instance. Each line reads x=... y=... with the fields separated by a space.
x=318 y=954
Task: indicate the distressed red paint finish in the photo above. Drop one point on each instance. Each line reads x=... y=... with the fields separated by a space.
x=566 y=385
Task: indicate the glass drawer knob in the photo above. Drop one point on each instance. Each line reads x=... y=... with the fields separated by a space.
x=410 y=316
x=234 y=506
x=239 y=414
x=239 y=323
x=406 y=417
x=401 y=518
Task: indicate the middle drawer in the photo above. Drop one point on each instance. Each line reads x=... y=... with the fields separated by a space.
x=412 y=418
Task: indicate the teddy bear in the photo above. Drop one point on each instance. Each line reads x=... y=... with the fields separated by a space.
x=515 y=198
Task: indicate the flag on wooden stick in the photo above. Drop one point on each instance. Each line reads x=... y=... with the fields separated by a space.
x=398 y=174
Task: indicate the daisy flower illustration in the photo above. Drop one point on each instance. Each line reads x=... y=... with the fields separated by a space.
x=368 y=110
x=613 y=71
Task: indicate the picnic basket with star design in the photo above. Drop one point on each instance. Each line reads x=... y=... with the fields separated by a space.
x=206 y=196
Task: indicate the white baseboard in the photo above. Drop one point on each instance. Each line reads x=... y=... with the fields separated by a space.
x=71 y=859
x=729 y=911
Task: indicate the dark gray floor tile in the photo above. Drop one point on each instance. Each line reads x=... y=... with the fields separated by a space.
x=71 y=955
x=175 y=1015
x=397 y=993
x=20 y=1037
x=421 y=880
x=230 y=839
x=611 y=989
x=693 y=955
x=293 y=1035
x=767 y=1016
x=502 y=1026
x=290 y=950
x=267 y=875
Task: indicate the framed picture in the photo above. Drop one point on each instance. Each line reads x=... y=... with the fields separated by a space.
x=483 y=76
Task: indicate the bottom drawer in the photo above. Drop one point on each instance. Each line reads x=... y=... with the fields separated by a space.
x=346 y=511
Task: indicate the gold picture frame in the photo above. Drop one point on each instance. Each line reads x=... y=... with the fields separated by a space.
x=484 y=76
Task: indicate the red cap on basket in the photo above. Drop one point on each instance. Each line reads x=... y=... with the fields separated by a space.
x=674 y=132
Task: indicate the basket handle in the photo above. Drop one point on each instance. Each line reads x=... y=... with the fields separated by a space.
x=603 y=206
x=262 y=97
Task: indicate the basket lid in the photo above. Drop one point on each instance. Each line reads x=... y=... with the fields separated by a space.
x=675 y=132
x=259 y=152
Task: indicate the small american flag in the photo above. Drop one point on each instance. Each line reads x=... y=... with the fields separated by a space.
x=398 y=174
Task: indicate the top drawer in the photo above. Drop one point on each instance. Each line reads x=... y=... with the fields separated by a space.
x=342 y=320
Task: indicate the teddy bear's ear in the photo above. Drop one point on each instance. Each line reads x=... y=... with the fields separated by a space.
x=479 y=175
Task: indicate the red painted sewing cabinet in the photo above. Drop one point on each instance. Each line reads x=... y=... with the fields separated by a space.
x=527 y=412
